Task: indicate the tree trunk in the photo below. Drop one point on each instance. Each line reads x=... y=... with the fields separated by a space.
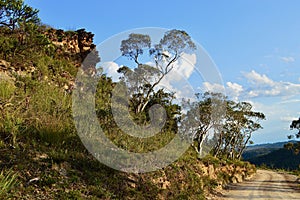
x=200 y=144
x=243 y=147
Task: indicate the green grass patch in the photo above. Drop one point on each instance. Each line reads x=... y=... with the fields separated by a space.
x=8 y=180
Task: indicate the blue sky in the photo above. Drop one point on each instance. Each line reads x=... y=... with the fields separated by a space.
x=255 y=44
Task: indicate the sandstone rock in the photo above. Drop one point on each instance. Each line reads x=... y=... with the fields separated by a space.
x=211 y=172
x=162 y=181
x=72 y=43
x=237 y=178
x=4 y=65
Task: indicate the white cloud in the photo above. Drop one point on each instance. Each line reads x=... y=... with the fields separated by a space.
x=252 y=94
x=183 y=67
x=287 y=118
x=177 y=79
x=110 y=68
x=277 y=89
x=234 y=90
x=213 y=87
x=258 y=79
x=279 y=111
x=290 y=101
x=261 y=85
x=287 y=59
x=278 y=119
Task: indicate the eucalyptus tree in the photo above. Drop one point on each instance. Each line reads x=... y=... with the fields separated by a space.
x=296 y=125
x=203 y=117
x=144 y=79
x=295 y=146
x=241 y=121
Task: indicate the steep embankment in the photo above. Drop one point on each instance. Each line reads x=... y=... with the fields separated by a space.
x=40 y=150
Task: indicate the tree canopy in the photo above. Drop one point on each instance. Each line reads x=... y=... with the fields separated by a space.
x=143 y=80
x=231 y=125
x=15 y=14
x=294 y=146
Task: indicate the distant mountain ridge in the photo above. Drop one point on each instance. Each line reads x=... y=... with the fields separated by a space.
x=273 y=155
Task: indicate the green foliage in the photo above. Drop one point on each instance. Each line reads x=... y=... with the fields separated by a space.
x=230 y=123
x=49 y=114
x=144 y=79
x=134 y=46
x=8 y=180
x=37 y=104
x=241 y=121
x=23 y=47
x=295 y=146
x=278 y=159
x=176 y=42
x=15 y=14
x=8 y=46
x=203 y=116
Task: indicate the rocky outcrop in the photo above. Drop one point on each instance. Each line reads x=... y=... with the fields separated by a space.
x=8 y=69
x=74 y=45
x=210 y=177
x=227 y=173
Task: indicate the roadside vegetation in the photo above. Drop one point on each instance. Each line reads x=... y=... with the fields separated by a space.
x=42 y=156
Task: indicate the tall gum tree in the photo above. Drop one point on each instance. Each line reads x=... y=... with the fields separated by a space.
x=240 y=123
x=144 y=79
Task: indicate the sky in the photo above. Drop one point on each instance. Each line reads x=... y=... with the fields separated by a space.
x=254 y=44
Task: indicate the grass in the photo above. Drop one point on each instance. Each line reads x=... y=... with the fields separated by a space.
x=68 y=171
x=7 y=88
x=8 y=180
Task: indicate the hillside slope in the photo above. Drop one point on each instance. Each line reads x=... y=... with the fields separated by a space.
x=42 y=157
x=273 y=156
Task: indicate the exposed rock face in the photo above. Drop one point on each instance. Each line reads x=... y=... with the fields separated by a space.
x=233 y=173
x=72 y=42
x=75 y=45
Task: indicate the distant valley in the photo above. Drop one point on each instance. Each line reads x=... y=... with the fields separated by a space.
x=272 y=155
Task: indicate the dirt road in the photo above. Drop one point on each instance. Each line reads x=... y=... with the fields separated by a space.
x=265 y=185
